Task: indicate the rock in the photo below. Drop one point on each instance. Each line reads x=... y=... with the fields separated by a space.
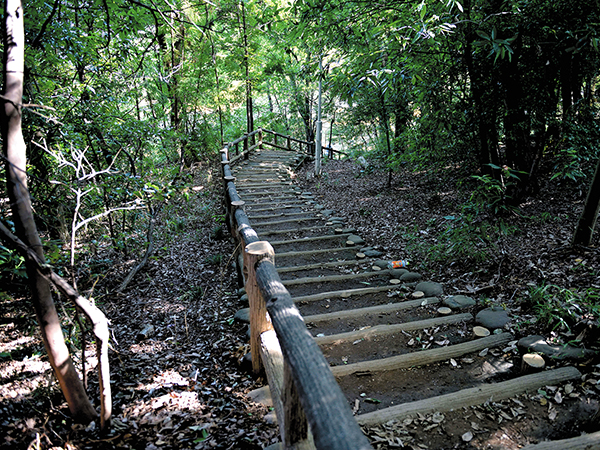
x=360 y=255
x=492 y=318
x=381 y=264
x=244 y=299
x=418 y=294
x=243 y=315
x=246 y=362
x=538 y=344
x=356 y=239
x=366 y=249
x=459 y=301
x=350 y=243
x=262 y=396
x=444 y=310
x=307 y=193
x=335 y=219
x=271 y=418
x=146 y=332
x=395 y=281
x=373 y=253
x=410 y=276
x=348 y=230
x=397 y=273
x=430 y=288
x=327 y=212
x=241 y=291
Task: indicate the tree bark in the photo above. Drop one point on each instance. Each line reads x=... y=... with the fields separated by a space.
x=14 y=152
x=589 y=216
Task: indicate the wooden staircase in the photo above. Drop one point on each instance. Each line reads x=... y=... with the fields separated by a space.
x=390 y=347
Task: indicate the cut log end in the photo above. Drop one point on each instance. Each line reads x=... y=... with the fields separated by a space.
x=260 y=248
x=532 y=362
x=480 y=332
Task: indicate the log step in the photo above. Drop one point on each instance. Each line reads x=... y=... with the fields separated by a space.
x=330 y=278
x=344 y=293
x=423 y=357
x=383 y=330
x=584 y=442
x=471 y=397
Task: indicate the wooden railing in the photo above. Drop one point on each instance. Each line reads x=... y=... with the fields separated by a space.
x=287 y=143
x=303 y=389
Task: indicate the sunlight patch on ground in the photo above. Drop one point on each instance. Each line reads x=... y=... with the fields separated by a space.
x=19 y=379
x=11 y=346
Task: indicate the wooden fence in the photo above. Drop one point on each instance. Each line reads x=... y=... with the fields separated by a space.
x=303 y=389
x=280 y=141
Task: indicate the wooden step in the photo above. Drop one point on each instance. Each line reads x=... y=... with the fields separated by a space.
x=331 y=278
x=383 y=330
x=345 y=293
x=322 y=265
x=471 y=397
x=423 y=357
x=584 y=442
x=279 y=222
x=311 y=239
x=361 y=312
x=294 y=230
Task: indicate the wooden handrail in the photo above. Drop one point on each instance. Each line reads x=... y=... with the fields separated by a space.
x=302 y=385
x=308 y=144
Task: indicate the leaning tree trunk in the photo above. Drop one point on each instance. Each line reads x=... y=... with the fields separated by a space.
x=589 y=216
x=16 y=180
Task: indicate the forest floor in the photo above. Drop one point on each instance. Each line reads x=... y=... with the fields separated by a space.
x=184 y=385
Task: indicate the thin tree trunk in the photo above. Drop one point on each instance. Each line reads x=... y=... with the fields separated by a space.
x=589 y=216
x=14 y=151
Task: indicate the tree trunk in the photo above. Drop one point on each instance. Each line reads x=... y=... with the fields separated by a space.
x=249 y=111
x=589 y=216
x=14 y=151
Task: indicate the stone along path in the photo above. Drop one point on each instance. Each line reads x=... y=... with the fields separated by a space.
x=399 y=347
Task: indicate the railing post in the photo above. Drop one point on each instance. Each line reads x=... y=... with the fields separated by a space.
x=237 y=148
x=228 y=218
x=276 y=139
x=245 y=145
x=289 y=143
x=295 y=423
x=260 y=139
x=259 y=319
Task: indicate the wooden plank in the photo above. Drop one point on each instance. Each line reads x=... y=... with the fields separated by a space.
x=423 y=357
x=273 y=363
x=292 y=230
x=584 y=442
x=344 y=293
x=382 y=330
x=321 y=265
x=271 y=216
x=329 y=415
x=311 y=239
x=259 y=319
x=314 y=252
x=361 y=312
x=472 y=396
x=280 y=222
x=329 y=278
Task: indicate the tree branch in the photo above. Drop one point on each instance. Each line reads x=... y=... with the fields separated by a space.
x=94 y=315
